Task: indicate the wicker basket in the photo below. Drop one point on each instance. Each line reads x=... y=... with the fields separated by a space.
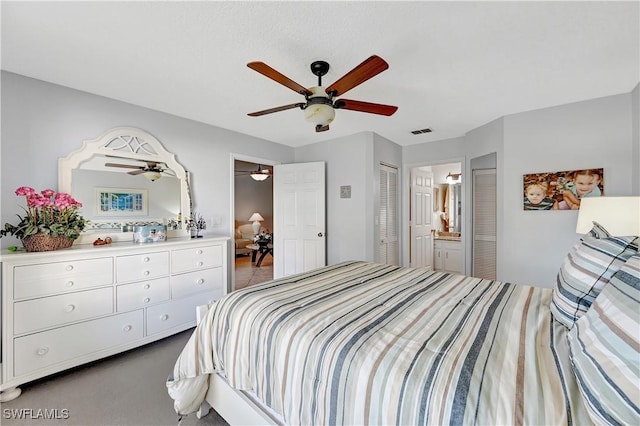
x=44 y=242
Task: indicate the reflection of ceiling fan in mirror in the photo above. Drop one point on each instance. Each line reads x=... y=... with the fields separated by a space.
x=259 y=174
x=152 y=170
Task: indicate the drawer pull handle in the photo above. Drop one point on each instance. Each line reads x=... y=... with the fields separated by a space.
x=42 y=351
x=147 y=300
x=164 y=317
x=127 y=328
x=200 y=263
x=199 y=251
x=69 y=308
x=70 y=284
x=146 y=273
x=201 y=281
x=146 y=259
x=69 y=268
x=147 y=286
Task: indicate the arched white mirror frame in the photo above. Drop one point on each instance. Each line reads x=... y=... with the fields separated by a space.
x=129 y=142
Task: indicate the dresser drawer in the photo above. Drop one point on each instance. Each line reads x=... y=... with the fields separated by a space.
x=142 y=266
x=181 y=312
x=141 y=294
x=51 y=278
x=193 y=282
x=192 y=259
x=36 y=314
x=51 y=347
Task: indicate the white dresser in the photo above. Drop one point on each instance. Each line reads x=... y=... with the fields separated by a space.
x=65 y=308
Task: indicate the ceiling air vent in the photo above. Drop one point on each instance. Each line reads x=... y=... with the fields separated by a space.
x=418 y=132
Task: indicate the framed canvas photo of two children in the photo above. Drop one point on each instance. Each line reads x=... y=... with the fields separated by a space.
x=561 y=190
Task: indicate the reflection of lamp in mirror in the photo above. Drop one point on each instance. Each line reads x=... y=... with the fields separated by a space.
x=152 y=175
x=256 y=219
x=454 y=177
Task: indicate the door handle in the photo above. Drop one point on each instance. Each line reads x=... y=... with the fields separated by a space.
x=320 y=234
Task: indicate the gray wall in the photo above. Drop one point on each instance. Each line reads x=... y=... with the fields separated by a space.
x=590 y=134
x=635 y=138
x=349 y=220
x=594 y=133
x=42 y=122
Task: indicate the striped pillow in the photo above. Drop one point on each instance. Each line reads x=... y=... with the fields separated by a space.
x=587 y=268
x=605 y=350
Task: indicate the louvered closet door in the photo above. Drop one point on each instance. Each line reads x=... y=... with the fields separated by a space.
x=389 y=246
x=484 y=223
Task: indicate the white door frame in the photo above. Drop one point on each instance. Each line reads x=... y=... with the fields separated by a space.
x=232 y=204
x=406 y=182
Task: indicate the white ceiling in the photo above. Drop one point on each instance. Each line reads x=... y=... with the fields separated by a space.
x=454 y=66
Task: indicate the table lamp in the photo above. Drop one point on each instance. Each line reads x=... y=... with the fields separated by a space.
x=620 y=216
x=256 y=219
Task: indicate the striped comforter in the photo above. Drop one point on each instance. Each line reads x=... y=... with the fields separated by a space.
x=362 y=343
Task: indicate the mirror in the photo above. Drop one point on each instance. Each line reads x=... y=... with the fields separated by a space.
x=162 y=195
x=455 y=207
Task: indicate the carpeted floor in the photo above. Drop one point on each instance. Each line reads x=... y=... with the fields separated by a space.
x=126 y=389
x=248 y=273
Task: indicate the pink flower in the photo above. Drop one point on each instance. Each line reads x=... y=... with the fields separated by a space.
x=36 y=200
x=25 y=190
x=48 y=192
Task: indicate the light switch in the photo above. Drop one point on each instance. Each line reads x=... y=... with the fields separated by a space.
x=345 y=191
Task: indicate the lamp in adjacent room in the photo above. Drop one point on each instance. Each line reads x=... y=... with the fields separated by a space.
x=620 y=216
x=256 y=218
x=260 y=174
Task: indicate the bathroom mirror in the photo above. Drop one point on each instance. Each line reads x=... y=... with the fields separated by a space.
x=126 y=164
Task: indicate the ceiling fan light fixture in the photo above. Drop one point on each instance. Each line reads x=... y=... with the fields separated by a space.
x=152 y=175
x=319 y=109
x=259 y=176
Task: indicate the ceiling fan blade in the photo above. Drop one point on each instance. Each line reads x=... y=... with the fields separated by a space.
x=321 y=128
x=126 y=166
x=365 y=107
x=135 y=172
x=274 y=75
x=371 y=67
x=276 y=109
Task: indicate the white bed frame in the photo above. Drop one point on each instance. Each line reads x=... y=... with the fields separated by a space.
x=236 y=407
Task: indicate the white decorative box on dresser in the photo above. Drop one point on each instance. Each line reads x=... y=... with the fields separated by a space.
x=68 y=307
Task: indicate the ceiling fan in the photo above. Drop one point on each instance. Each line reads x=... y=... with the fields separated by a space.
x=319 y=106
x=152 y=170
x=260 y=174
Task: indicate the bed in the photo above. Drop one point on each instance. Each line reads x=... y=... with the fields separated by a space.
x=364 y=343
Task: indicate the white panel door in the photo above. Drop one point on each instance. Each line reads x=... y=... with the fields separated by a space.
x=299 y=218
x=421 y=219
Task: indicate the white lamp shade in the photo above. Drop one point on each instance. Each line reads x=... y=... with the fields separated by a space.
x=620 y=216
x=256 y=218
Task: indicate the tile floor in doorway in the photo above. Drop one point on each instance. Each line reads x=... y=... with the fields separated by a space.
x=248 y=273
